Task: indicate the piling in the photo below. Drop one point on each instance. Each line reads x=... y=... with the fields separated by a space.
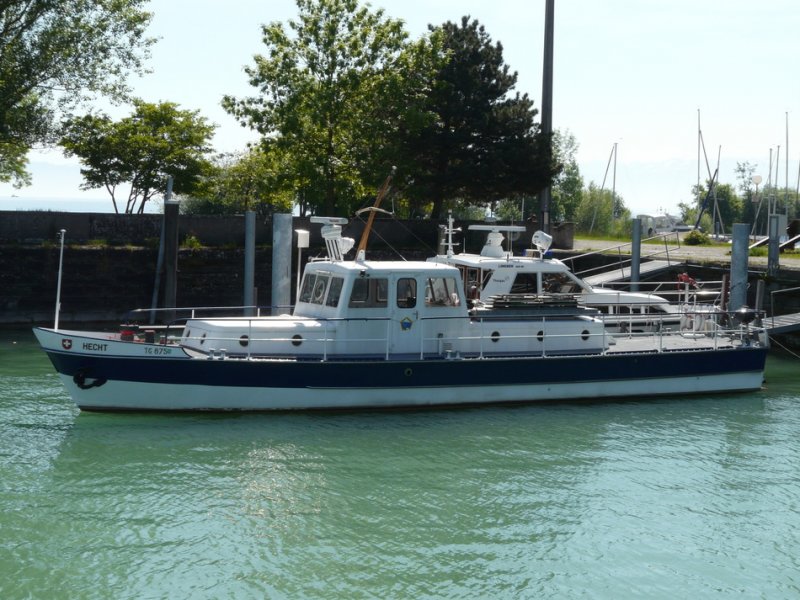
x=281 y=263
x=636 y=253
x=739 y=257
x=249 y=300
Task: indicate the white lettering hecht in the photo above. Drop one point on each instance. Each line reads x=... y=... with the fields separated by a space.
x=94 y=346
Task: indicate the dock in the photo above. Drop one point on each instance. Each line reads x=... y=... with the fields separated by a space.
x=782 y=324
x=651 y=267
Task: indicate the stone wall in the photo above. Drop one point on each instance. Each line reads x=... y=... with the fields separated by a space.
x=110 y=260
x=37 y=227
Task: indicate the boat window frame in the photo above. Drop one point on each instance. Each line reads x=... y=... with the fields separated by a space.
x=372 y=293
x=441 y=295
x=335 y=287
x=406 y=292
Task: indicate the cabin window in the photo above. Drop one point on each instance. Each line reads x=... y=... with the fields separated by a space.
x=318 y=291
x=524 y=283
x=314 y=288
x=334 y=291
x=441 y=291
x=308 y=287
x=369 y=292
x=406 y=292
x=557 y=283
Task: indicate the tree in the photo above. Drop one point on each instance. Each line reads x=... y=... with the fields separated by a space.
x=156 y=141
x=567 y=189
x=484 y=145
x=332 y=94
x=723 y=204
x=250 y=181
x=54 y=55
x=744 y=175
x=602 y=212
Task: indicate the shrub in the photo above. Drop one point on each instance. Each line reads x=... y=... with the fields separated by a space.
x=191 y=242
x=696 y=238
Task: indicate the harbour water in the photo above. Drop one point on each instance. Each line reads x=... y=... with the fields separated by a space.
x=665 y=498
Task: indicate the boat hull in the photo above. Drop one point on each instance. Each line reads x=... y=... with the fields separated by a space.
x=129 y=376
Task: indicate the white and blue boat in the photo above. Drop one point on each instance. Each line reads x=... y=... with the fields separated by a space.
x=367 y=334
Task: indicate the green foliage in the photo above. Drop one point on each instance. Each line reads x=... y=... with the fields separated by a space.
x=332 y=94
x=483 y=145
x=723 y=203
x=53 y=57
x=567 y=188
x=696 y=238
x=191 y=242
x=255 y=180
x=602 y=213
x=157 y=140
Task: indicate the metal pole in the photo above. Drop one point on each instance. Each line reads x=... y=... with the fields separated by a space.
x=547 y=106
x=773 y=253
x=636 y=253
x=249 y=262
x=171 y=209
x=58 y=285
x=614 y=185
x=281 y=262
x=739 y=256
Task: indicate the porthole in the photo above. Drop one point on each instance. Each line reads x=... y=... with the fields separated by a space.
x=495 y=337
x=244 y=341
x=585 y=335
x=540 y=336
x=297 y=340
x=408 y=372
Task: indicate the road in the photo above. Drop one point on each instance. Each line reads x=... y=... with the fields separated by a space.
x=715 y=253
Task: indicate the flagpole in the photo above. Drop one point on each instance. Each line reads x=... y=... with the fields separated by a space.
x=58 y=288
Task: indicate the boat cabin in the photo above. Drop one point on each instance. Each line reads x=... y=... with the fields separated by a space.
x=498 y=272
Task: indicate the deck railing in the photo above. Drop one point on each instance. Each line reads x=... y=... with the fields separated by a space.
x=716 y=329
x=623 y=253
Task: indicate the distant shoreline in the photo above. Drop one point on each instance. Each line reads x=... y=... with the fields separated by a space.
x=92 y=205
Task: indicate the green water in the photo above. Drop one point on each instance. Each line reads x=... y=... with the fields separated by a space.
x=673 y=498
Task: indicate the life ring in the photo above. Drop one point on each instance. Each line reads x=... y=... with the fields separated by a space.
x=319 y=291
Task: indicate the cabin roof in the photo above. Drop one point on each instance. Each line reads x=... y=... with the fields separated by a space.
x=386 y=267
x=522 y=263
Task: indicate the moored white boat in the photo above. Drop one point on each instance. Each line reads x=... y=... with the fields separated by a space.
x=498 y=271
x=373 y=334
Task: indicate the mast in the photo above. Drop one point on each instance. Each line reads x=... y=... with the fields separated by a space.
x=362 y=243
x=547 y=107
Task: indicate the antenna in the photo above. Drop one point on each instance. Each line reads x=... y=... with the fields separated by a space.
x=449 y=230
x=336 y=245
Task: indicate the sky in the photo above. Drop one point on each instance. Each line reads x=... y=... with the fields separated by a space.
x=640 y=74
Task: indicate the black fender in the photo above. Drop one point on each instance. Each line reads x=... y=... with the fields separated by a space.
x=80 y=380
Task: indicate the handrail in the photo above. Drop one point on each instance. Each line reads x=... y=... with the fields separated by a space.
x=708 y=326
x=618 y=248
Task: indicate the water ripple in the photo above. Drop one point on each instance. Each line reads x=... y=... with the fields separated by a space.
x=674 y=498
